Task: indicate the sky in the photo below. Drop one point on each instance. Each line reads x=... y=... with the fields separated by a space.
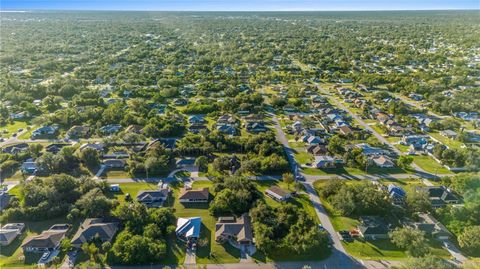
x=238 y=5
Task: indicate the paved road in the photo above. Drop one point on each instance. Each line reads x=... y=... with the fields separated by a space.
x=422 y=173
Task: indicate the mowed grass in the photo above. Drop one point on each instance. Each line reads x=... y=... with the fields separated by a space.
x=451 y=143
x=12 y=128
x=428 y=164
x=374 y=249
x=208 y=251
x=12 y=256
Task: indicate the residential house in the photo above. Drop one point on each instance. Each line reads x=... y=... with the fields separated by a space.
x=317 y=150
x=368 y=150
x=297 y=126
x=48 y=240
x=373 y=228
x=29 y=167
x=9 y=232
x=255 y=127
x=345 y=130
x=185 y=162
x=44 y=131
x=197 y=128
x=134 y=128
x=449 y=133
x=14 y=149
x=153 y=198
x=397 y=194
x=324 y=161
x=312 y=140
x=227 y=119
x=4 y=199
x=382 y=161
x=110 y=129
x=55 y=147
x=96 y=146
x=431 y=227
x=188 y=229
x=232 y=229
x=102 y=229
x=440 y=195
x=180 y=102
x=115 y=163
x=194 y=196
x=78 y=131
x=227 y=129
x=196 y=119
x=277 y=194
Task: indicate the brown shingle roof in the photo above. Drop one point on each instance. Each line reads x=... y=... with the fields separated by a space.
x=194 y=194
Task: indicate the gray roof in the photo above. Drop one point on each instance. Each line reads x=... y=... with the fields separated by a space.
x=241 y=228
x=93 y=227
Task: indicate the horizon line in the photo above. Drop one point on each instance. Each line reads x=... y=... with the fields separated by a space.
x=279 y=10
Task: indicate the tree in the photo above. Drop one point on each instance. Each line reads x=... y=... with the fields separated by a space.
x=344 y=201
x=469 y=240
x=90 y=157
x=288 y=179
x=35 y=149
x=427 y=262
x=413 y=240
x=95 y=204
x=202 y=163
x=91 y=250
x=136 y=249
x=404 y=161
x=418 y=201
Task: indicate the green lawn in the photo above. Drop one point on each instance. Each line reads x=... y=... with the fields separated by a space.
x=12 y=128
x=210 y=252
x=132 y=188
x=373 y=249
x=304 y=157
x=430 y=165
x=353 y=171
x=12 y=255
x=116 y=174
x=454 y=144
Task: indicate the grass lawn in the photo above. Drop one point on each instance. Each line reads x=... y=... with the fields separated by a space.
x=377 y=129
x=454 y=144
x=352 y=171
x=12 y=128
x=373 y=249
x=210 y=252
x=132 y=188
x=296 y=145
x=303 y=157
x=430 y=165
x=12 y=255
x=116 y=174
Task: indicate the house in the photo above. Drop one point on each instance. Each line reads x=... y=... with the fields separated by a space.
x=197 y=128
x=449 y=133
x=194 y=196
x=110 y=128
x=29 y=167
x=431 y=227
x=180 y=102
x=14 y=149
x=55 y=147
x=20 y=115
x=44 y=131
x=415 y=96
x=277 y=194
x=297 y=126
x=48 y=240
x=195 y=119
x=78 y=131
x=255 y=127
x=397 y=194
x=317 y=150
x=227 y=129
x=4 y=199
x=227 y=119
x=185 y=162
x=238 y=230
x=324 y=161
x=153 y=198
x=134 y=128
x=382 y=161
x=188 y=228
x=96 y=146
x=312 y=140
x=91 y=228
x=368 y=150
x=440 y=195
x=114 y=163
x=373 y=228
x=9 y=232
x=345 y=130
x=119 y=154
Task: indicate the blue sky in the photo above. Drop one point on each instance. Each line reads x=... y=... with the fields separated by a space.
x=246 y=5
